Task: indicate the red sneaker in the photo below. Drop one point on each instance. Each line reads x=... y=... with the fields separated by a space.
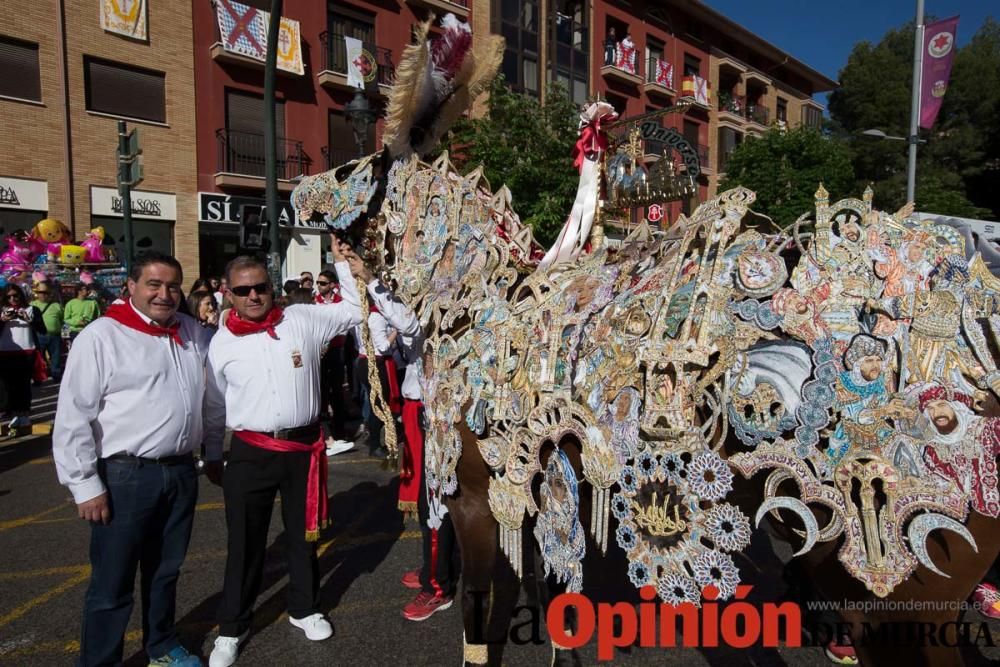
x=841 y=654
x=986 y=600
x=425 y=605
x=411 y=579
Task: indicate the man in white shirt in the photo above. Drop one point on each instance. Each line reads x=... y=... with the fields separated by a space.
x=265 y=364
x=129 y=416
x=436 y=579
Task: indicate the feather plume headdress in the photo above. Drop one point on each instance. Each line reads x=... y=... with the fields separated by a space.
x=436 y=82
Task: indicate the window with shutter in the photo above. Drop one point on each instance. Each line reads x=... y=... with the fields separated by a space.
x=19 y=64
x=245 y=113
x=124 y=90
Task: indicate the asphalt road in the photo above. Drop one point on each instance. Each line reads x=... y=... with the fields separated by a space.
x=44 y=571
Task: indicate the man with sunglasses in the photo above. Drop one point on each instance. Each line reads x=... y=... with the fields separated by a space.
x=264 y=365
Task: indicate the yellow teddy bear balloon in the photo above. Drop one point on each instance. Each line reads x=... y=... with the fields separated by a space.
x=72 y=254
x=50 y=230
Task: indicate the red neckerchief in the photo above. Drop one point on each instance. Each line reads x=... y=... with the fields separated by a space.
x=125 y=314
x=335 y=297
x=240 y=327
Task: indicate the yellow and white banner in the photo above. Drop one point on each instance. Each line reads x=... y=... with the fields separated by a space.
x=124 y=17
x=290 y=47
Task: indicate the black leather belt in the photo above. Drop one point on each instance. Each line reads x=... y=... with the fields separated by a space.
x=309 y=433
x=162 y=461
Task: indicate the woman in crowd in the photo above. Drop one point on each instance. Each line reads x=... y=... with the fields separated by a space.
x=203 y=308
x=20 y=326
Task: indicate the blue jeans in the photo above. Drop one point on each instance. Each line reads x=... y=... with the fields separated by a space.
x=152 y=511
x=51 y=344
x=373 y=423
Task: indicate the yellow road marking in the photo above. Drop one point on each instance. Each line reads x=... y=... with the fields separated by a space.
x=20 y=611
x=16 y=523
x=345 y=462
x=45 y=572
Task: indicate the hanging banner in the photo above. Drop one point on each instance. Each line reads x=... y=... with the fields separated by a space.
x=664 y=73
x=124 y=17
x=696 y=87
x=244 y=32
x=361 y=67
x=935 y=67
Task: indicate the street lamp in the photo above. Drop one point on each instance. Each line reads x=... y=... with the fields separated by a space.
x=361 y=116
x=911 y=167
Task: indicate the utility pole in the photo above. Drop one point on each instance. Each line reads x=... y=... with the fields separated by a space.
x=271 y=145
x=913 y=137
x=130 y=174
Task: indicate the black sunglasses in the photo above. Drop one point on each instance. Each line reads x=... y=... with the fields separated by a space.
x=322 y=283
x=244 y=290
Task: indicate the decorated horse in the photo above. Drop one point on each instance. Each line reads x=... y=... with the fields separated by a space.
x=651 y=404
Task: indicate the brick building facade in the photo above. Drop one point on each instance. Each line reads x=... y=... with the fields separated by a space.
x=200 y=107
x=314 y=134
x=59 y=122
x=740 y=83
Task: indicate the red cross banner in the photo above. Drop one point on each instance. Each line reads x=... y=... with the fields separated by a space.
x=664 y=73
x=243 y=30
x=935 y=67
x=124 y=17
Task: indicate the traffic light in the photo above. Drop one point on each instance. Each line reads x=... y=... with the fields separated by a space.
x=253 y=227
x=129 y=158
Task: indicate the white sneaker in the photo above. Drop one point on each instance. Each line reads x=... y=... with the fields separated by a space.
x=334 y=447
x=316 y=627
x=225 y=650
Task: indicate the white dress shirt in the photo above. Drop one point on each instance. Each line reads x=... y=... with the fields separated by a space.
x=125 y=391
x=401 y=317
x=269 y=384
x=380 y=331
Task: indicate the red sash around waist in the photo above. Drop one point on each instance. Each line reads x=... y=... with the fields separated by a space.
x=410 y=474
x=392 y=377
x=316 y=498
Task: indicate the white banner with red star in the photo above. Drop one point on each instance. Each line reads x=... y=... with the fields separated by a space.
x=243 y=30
x=124 y=17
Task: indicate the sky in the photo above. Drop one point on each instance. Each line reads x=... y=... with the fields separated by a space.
x=822 y=34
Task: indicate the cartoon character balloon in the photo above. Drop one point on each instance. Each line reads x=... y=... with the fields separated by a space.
x=51 y=234
x=71 y=254
x=93 y=245
x=18 y=256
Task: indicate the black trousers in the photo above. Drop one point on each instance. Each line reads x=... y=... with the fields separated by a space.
x=331 y=374
x=440 y=568
x=16 y=369
x=253 y=475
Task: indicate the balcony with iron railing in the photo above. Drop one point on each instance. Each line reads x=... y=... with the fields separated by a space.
x=758 y=114
x=659 y=76
x=240 y=160
x=459 y=8
x=333 y=72
x=626 y=67
x=732 y=108
x=335 y=157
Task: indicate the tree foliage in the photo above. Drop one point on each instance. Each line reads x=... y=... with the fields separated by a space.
x=785 y=169
x=527 y=146
x=958 y=169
